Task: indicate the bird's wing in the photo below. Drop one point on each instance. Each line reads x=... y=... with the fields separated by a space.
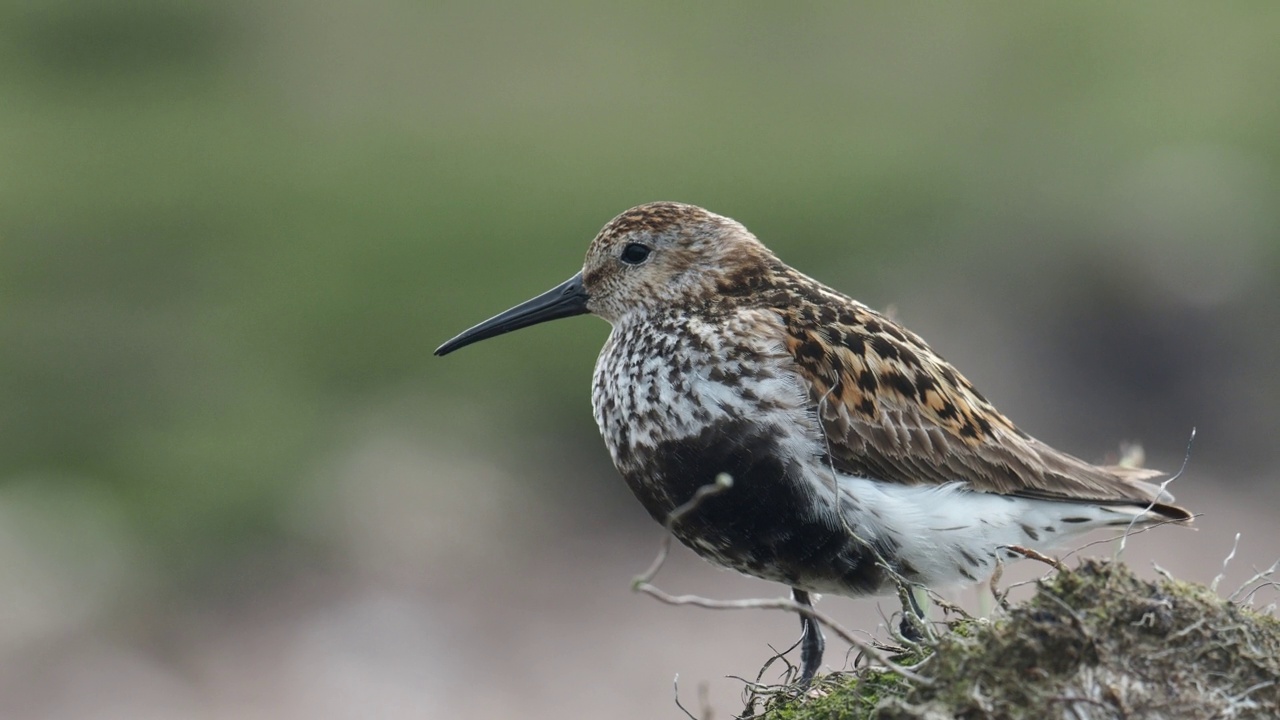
x=893 y=410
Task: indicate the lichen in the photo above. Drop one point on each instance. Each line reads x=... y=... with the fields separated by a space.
x=1094 y=642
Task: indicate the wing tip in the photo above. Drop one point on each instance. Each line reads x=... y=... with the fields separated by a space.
x=1173 y=513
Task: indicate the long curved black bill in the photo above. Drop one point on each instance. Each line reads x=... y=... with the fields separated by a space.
x=564 y=300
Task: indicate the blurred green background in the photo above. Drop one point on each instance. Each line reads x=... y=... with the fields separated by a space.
x=232 y=233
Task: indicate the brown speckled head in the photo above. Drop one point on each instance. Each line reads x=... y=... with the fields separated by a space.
x=664 y=253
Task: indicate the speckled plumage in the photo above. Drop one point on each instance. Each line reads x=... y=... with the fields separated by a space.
x=847 y=437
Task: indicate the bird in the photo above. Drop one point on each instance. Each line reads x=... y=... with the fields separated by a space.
x=859 y=457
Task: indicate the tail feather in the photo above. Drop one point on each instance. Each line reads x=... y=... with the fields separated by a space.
x=1151 y=513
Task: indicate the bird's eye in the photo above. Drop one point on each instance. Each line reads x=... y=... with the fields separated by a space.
x=635 y=253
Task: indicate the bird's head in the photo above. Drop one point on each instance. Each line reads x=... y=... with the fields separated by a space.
x=648 y=259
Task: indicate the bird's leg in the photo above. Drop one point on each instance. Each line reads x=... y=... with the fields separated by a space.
x=907 y=627
x=811 y=642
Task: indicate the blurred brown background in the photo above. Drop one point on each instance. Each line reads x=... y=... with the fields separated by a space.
x=235 y=484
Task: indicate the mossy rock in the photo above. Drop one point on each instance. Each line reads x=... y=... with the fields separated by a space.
x=1094 y=642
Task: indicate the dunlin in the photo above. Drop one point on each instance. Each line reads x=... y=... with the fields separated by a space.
x=857 y=453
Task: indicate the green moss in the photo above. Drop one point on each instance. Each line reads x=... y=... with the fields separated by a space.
x=1098 y=640
x=839 y=696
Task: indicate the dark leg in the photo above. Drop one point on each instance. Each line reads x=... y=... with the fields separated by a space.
x=811 y=642
x=908 y=628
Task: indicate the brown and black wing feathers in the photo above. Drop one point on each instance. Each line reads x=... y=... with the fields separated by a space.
x=893 y=410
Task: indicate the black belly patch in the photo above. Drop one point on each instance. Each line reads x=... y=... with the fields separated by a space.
x=765 y=524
